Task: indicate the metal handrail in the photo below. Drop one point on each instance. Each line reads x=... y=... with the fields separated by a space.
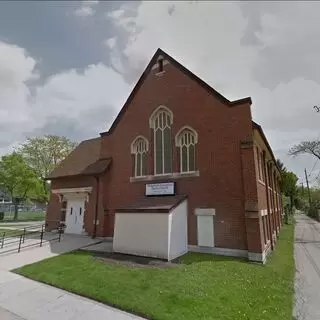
x=38 y=226
x=21 y=238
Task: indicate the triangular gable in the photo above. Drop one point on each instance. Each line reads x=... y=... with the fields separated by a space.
x=181 y=68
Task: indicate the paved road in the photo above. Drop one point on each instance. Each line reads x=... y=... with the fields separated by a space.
x=307 y=257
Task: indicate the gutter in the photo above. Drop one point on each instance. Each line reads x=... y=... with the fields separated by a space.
x=96 y=207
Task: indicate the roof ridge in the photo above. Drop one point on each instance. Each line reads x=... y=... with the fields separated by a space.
x=183 y=69
x=91 y=139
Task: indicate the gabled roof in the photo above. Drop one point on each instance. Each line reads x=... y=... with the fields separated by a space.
x=83 y=160
x=191 y=75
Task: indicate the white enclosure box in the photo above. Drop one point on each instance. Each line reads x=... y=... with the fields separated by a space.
x=157 y=228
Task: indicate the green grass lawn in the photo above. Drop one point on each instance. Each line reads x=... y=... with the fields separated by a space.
x=202 y=287
x=24 y=216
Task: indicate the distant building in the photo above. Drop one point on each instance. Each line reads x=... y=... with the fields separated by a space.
x=4 y=197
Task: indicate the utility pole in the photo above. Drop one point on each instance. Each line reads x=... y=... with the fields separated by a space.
x=305 y=171
x=302 y=186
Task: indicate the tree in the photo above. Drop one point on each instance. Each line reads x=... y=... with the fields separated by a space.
x=44 y=154
x=18 y=179
x=288 y=186
x=306 y=147
x=290 y=189
x=280 y=165
x=283 y=170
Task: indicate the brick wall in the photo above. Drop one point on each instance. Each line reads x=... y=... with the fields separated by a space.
x=220 y=129
x=54 y=207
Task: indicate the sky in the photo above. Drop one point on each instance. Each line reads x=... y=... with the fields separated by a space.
x=66 y=68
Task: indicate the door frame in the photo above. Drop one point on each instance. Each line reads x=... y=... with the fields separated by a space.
x=80 y=203
x=209 y=215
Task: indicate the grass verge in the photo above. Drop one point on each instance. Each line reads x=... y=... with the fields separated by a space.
x=24 y=216
x=202 y=286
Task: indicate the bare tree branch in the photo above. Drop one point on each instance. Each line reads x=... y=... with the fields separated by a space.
x=306 y=147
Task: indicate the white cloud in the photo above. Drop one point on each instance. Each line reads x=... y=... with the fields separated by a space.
x=75 y=103
x=207 y=38
x=16 y=68
x=86 y=9
x=70 y=93
x=266 y=50
x=111 y=42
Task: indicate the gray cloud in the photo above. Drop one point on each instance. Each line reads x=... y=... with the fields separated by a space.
x=288 y=37
x=54 y=36
x=87 y=125
x=89 y=63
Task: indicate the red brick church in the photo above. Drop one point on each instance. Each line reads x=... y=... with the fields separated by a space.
x=175 y=140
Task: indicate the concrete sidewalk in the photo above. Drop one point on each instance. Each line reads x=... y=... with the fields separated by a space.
x=7 y=315
x=24 y=299
x=30 y=255
x=307 y=259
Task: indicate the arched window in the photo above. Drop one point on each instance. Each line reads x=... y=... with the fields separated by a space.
x=139 y=149
x=186 y=140
x=160 y=122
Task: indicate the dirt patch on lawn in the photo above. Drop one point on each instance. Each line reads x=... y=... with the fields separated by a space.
x=133 y=261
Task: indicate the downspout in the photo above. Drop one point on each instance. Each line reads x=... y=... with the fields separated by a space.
x=266 y=166
x=96 y=208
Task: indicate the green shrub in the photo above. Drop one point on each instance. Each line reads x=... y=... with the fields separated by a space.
x=1 y=216
x=313 y=211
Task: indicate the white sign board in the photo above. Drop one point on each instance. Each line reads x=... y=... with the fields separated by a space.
x=160 y=189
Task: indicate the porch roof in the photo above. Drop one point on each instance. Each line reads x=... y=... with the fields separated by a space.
x=83 y=160
x=162 y=204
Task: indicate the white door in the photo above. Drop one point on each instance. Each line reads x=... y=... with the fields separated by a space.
x=74 y=216
x=205 y=231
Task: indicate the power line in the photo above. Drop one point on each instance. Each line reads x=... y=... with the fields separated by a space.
x=315 y=179
x=315 y=163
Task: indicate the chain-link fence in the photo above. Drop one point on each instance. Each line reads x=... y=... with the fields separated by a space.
x=25 y=212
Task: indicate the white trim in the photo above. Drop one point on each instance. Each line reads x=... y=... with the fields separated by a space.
x=267 y=244
x=135 y=145
x=205 y=212
x=154 y=114
x=135 y=140
x=260 y=256
x=159 y=74
x=174 y=175
x=155 y=66
x=219 y=251
x=152 y=120
x=71 y=190
x=186 y=128
x=257 y=257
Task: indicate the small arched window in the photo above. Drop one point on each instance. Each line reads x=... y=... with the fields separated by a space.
x=160 y=122
x=186 y=140
x=139 y=149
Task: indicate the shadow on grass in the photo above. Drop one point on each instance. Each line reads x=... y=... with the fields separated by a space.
x=193 y=257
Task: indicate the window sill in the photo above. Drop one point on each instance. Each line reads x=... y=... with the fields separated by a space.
x=175 y=175
x=267 y=244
